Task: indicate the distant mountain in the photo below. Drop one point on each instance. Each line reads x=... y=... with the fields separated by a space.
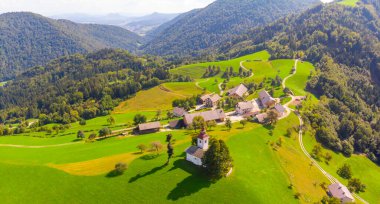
x=29 y=39
x=142 y=25
x=223 y=19
x=109 y=19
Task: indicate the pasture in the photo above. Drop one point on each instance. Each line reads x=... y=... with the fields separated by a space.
x=81 y=171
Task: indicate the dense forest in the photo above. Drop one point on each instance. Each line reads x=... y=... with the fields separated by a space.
x=28 y=40
x=80 y=86
x=199 y=29
x=343 y=43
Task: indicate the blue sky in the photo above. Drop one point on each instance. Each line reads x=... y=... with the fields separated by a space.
x=98 y=7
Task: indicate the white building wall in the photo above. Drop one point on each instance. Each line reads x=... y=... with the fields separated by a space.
x=194 y=160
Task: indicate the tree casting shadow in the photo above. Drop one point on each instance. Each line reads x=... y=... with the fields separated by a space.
x=152 y=171
x=190 y=185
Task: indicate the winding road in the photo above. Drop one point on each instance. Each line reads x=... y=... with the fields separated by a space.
x=331 y=178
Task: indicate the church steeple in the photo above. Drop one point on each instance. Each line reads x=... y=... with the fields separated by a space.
x=203 y=140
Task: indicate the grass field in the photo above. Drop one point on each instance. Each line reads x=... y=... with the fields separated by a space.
x=297 y=83
x=349 y=2
x=158 y=98
x=362 y=167
x=78 y=173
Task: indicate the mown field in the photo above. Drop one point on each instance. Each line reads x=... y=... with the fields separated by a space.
x=78 y=173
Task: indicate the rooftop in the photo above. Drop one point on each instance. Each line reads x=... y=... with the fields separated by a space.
x=149 y=126
x=207 y=115
x=340 y=191
x=195 y=151
x=239 y=90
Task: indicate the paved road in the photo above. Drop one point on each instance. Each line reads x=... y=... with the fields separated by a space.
x=328 y=176
x=286 y=78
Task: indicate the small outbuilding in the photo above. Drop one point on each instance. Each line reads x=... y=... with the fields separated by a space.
x=338 y=190
x=149 y=127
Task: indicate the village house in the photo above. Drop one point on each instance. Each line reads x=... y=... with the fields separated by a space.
x=262 y=118
x=194 y=154
x=149 y=127
x=238 y=92
x=213 y=115
x=266 y=99
x=210 y=100
x=341 y=192
x=179 y=112
x=176 y=124
x=244 y=107
x=280 y=109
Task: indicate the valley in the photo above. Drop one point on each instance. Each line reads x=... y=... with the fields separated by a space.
x=228 y=103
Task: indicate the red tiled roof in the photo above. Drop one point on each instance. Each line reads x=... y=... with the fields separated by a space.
x=203 y=135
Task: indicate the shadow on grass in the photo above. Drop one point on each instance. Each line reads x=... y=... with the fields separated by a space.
x=190 y=185
x=149 y=156
x=152 y=171
x=77 y=140
x=113 y=174
x=269 y=127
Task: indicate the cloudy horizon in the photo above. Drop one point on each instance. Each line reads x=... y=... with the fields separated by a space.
x=103 y=7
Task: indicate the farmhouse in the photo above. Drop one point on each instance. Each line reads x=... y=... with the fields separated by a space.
x=237 y=92
x=280 y=109
x=261 y=118
x=216 y=115
x=341 y=192
x=149 y=127
x=210 y=100
x=244 y=107
x=176 y=124
x=179 y=112
x=195 y=154
x=266 y=99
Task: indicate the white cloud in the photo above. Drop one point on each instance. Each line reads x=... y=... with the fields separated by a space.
x=53 y=7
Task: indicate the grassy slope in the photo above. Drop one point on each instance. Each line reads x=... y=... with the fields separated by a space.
x=349 y=2
x=297 y=83
x=259 y=171
x=158 y=98
x=362 y=167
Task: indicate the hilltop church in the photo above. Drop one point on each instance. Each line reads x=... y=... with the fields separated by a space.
x=195 y=154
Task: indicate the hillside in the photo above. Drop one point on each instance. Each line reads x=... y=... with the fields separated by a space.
x=200 y=29
x=78 y=86
x=344 y=43
x=28 y=39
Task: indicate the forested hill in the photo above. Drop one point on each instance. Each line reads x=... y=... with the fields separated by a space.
x=28 y=39
x=344 y=44
x=200 y=29
x=79 y=86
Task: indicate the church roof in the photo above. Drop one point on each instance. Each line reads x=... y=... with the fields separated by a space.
x=195 y=151
x=203 y=134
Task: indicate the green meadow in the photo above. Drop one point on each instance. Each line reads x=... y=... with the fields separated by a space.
x=349 y=2
x=259 y=170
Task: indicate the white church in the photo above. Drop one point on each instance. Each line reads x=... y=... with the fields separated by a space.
x=195 y=154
